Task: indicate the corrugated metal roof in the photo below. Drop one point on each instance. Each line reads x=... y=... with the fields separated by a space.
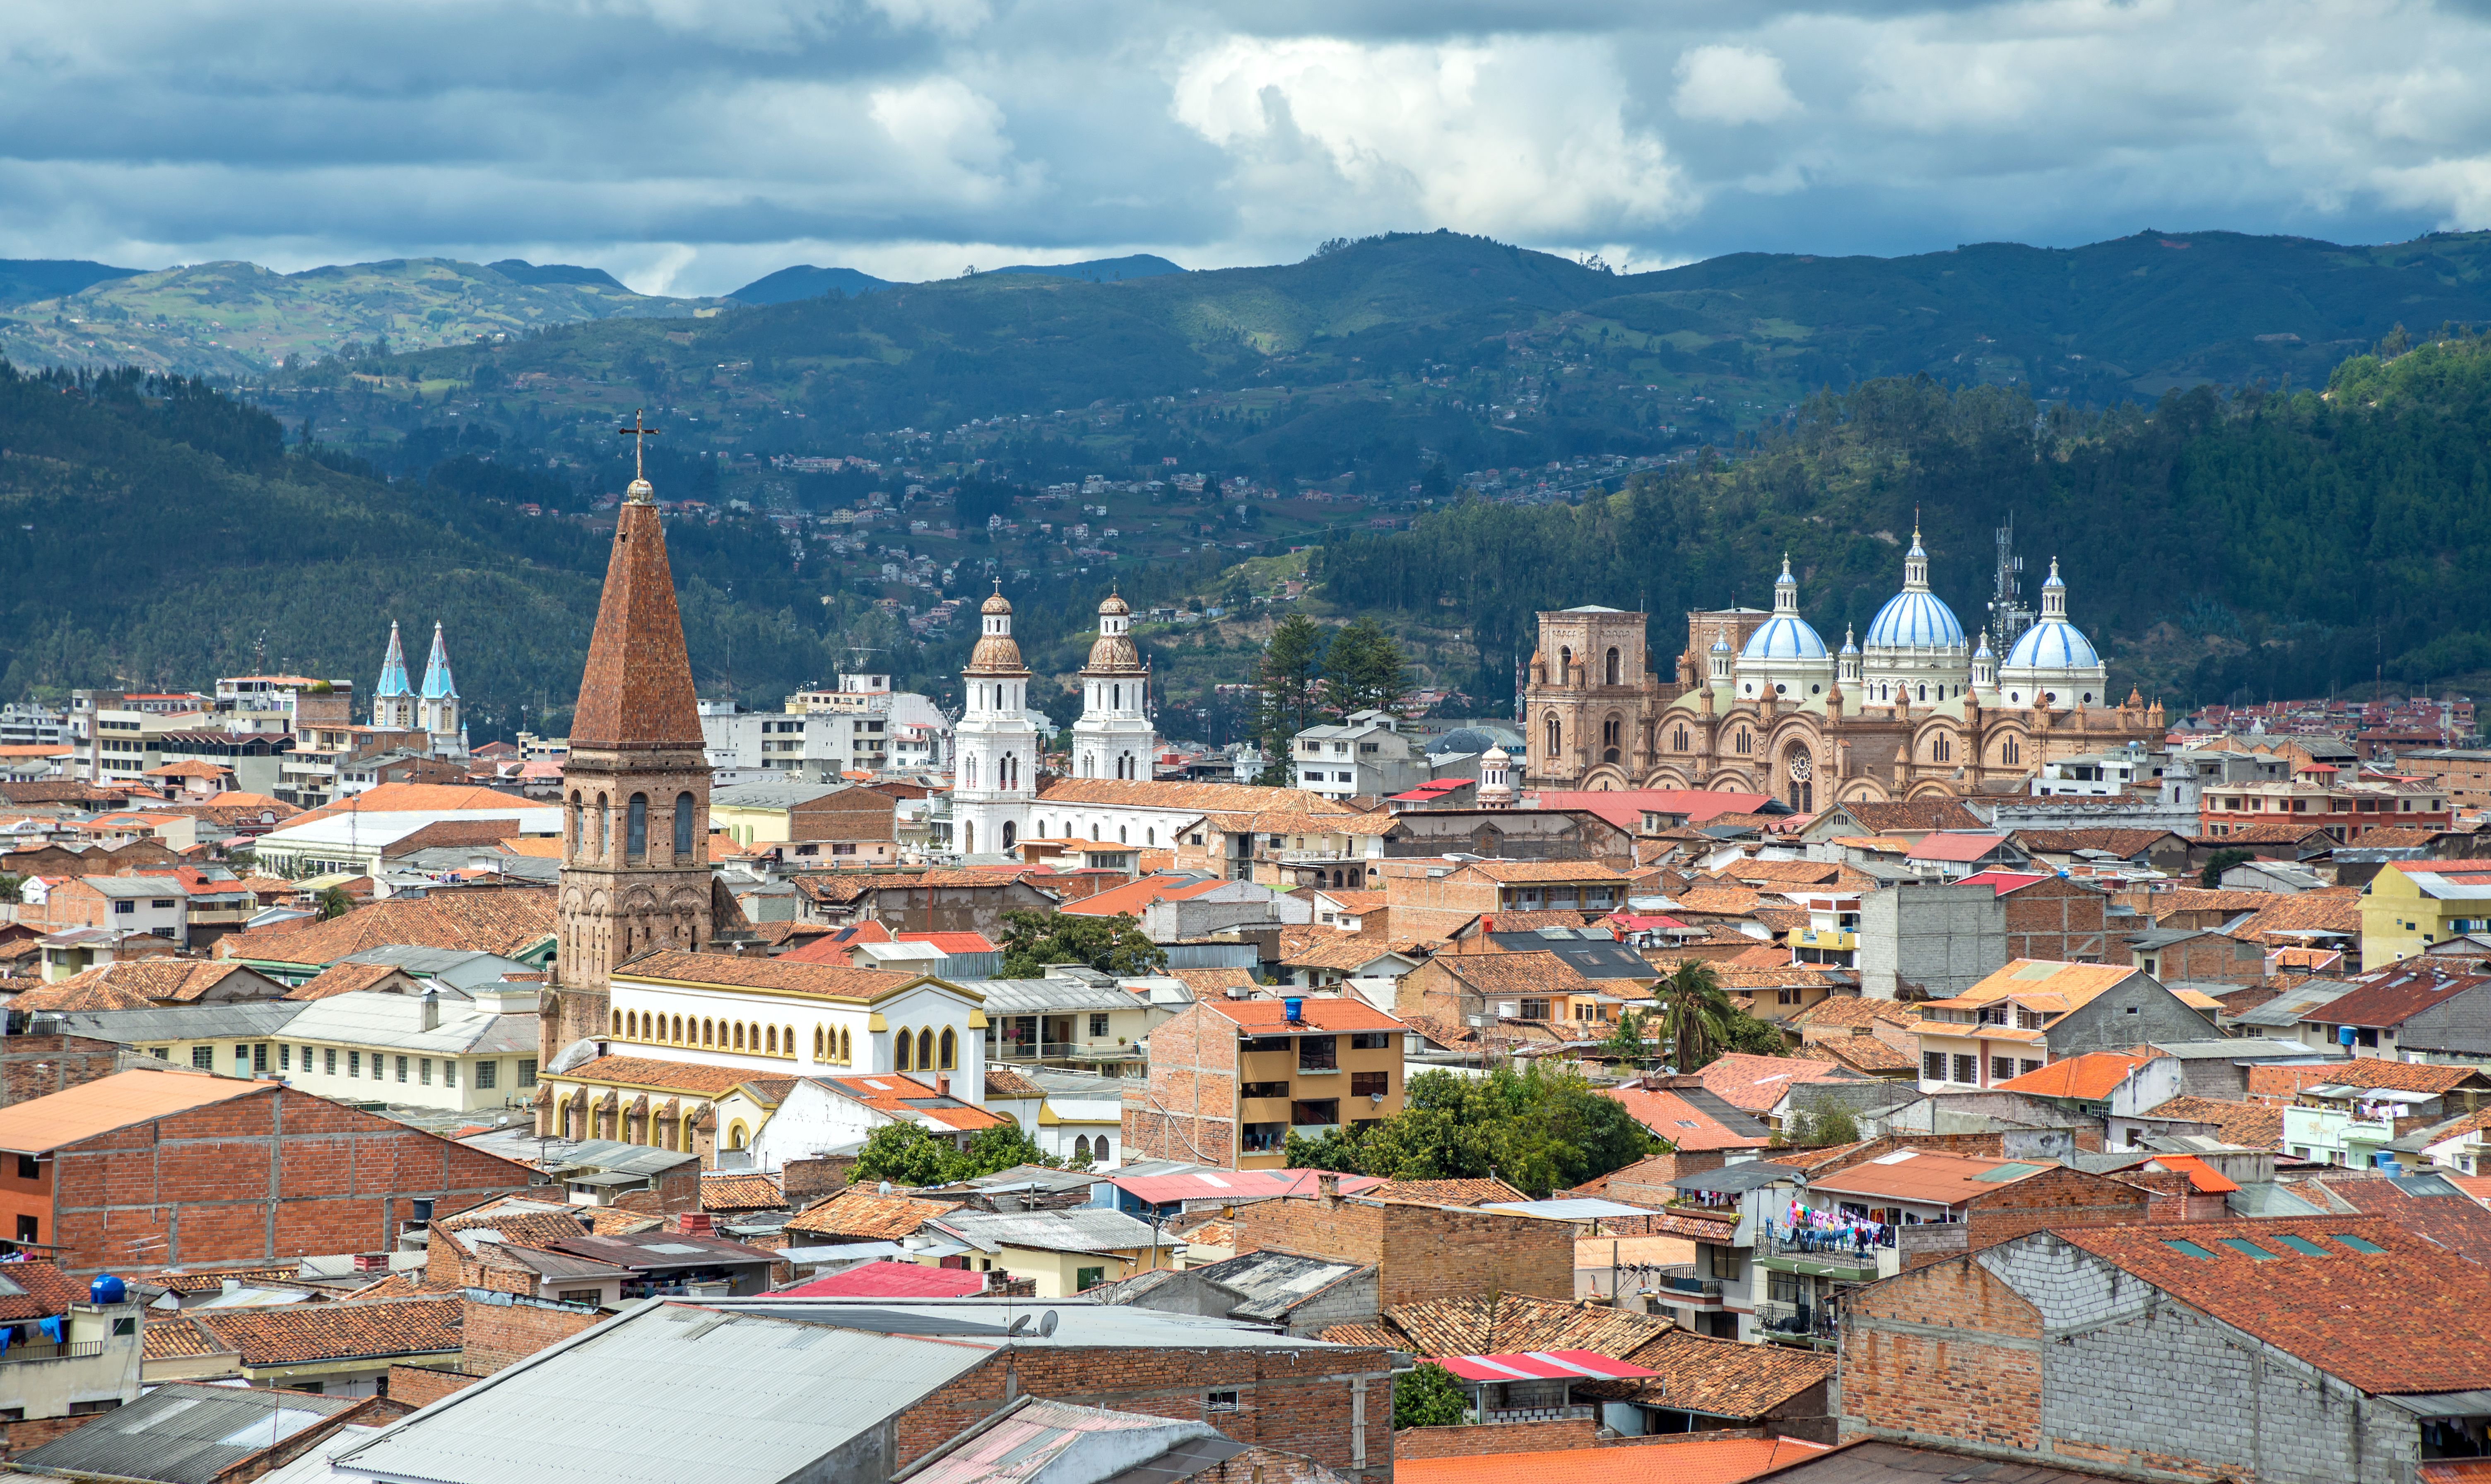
x=183 y=1022
x=1037 y=996
x=184 y=1433
x=372 y=1017
x=1080 y=1229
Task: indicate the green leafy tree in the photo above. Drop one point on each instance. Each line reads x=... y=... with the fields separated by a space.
x=1033 y=939
x=1539 y=1129
x=1364 y=668
x=336 y=903
x=907 y=1155
x=1697 y=1018
x=1628 y=1042
x=1293 y=665
x=10 y=887
x=2221 y=861
x=1427 y=1396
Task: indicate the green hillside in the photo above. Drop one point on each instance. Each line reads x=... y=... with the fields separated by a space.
x=238 y=320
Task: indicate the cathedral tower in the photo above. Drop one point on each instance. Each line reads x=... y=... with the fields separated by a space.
x=437 y=708
x=1114 y=738
x=996 y=778
x=394 y=699
x=635 y=788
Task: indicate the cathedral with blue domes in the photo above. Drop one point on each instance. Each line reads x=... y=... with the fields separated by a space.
x=1914 y=707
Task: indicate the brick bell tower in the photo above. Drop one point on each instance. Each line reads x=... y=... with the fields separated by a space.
x=635 y=788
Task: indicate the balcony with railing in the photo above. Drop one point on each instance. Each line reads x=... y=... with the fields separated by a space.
x=1680 y=1282
x=1809 y=1326
x=1826 y=1254
x=71 y=1350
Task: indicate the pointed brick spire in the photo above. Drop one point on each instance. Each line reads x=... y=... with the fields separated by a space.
x=637 y=689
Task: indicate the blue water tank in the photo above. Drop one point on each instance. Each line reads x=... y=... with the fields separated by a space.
x=2344 y=1034
x=1294 y=1009
x=107 y=1288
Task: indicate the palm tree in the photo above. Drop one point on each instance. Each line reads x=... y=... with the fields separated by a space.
x=1695 y=1015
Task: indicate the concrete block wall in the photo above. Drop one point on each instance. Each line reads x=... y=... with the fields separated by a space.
x=1942 y=939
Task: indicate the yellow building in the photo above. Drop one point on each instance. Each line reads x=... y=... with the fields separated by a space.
x=2408 y=907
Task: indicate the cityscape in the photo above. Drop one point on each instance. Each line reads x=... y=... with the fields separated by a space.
x=1487 y=770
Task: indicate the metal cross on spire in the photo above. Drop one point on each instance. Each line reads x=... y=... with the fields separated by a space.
x=639 y=432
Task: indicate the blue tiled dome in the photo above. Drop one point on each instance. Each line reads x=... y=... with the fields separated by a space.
x=1914 y=620
x=1784 y=636
x=2053 y=645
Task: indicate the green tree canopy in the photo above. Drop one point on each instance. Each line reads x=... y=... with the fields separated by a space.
x=907 y=1155
x=1427 y=1396
x=1033 y=939
x=1364 y=668
x=1293 y=662
x=1537 y=1130
x=2221 y=861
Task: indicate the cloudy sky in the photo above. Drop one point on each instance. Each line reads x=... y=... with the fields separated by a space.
x=692 y=145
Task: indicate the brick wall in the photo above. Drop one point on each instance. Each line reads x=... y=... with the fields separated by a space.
x=421 y=1386
x=38 y=1065
x=1646 y=1182
x=1189 y=1110
x=1945 y=1352
x=501 y=1330
x=1419 y=1251
x=17 y=1437
x=2054 y=1198
x=2212 y=958
x=1333 y=1406
x=1265 y=1466
x=1470 y=1442
x=2056 y=919
x=265 y=1177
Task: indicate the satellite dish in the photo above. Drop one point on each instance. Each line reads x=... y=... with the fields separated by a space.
x=1047 y=1323
x=1017 y=1325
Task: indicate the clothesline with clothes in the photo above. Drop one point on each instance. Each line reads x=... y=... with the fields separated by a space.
x=1806 y=1228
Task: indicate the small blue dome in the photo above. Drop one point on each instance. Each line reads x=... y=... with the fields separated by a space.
x=1784 y=636
x=2053 y=644
x=1912 y=620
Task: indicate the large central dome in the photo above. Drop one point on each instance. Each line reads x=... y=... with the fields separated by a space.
x=1915 y=618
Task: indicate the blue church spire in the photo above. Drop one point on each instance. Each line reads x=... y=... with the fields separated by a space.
x=394 y=668
x=438 y=683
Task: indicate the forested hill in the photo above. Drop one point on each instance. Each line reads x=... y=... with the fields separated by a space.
x=2258 y=545
x=158 y=534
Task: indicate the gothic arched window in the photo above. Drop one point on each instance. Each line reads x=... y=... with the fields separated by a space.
x=926 y=1051
x=847 y=1048
x=950 y=1049
x=1565 y=666
x=771 y=1039
x=1678 y=740
x=578 y=827
x=1081 y=1145
x=1613 y=666
x=683 y=828
x=1553 y=736
x=817 y=1043
x=635 y=829
x=601 y=826
x=902 y=1047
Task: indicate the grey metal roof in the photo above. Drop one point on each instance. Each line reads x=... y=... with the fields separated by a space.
x=2240 y=1048
x=1082 y=1229
x=668 y=1392
x=1269 y=1285
x=458 y=968
x=381 y=1018
x=183 y=1022
x=2158 y=937
x=1052 y=997
x=1079 y=1324
x=773 y=795
x=2267 y=1199
x=184 y=1433
x=2286 y=1009
x=616 y=1155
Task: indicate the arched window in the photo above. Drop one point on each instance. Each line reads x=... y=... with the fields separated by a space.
x=735 y=1135
x=1943 y=748
x=950 y=1051
x=1081 y=1146
x=635 y=829
x=601 y=826
x=1553 y=735
x=1678 y=740
x=1010 y=831
x=2010 y=754
x=817 y=1043
x=1565 y=666
x=926 y=1051
x=577 y=825
x=1150 y=836
x=618 y=1023
x=1925 y=692
x=1101 y=1152
x=903 y=1047
x=1093 y=831
x=631 y=1026
x=683 y=828
x=1613 y=666
x=1744 y=742
x=705 y=1031
x=772 y=1039
x=1120 y=837
x=847 y=1048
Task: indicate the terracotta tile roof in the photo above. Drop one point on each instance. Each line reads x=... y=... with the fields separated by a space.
x=1535 y=971
x=2389 y=1322
x=2125 y=843
x=1514 y=872
x=344 y=1330
x=508 y=920
x=48 y=1291
x=2091 y=1076
x=1784 y=875
x=1298 y=821
x=409 y=798
x=657 y=1076
x=2394 y=998
x=82 y=999
x=184 y=1281
x=2251 y=1125
x=903 y=1100
x=1926 y=1176
x=2284 y=920
x=1130 y=898
x=1505 y=1324
x=177 y=1337
x=615 y=1221
x=1718 y=901
x=1955 y=848
x=155 y=980
x=1469 y=1192
x=1693 y=1458
x=1684 y=1125
x=1763 y=956
x=1344 y=953
x=831 y=981
x=2025 y=977
x=775 y=933
x=848 y=885
x=1730 y=973
x=1004 y=1082
x=1861 y=1053
x=397 y=1285
x=1321 y=1013
x=856 y=1214
x=1529 y=921
x=2399 y=1076
x=342 y=979
x=1850 y=1010
x=1355 y=903
x=1753 y=1084
x=740 y=1193
x=1204 y=797
x=1213 y=981
x=1719 y=1378
x=1917 y=814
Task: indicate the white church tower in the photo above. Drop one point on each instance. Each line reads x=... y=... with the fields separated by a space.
x=1114 y=738
x=995 y=778
x=394 y=699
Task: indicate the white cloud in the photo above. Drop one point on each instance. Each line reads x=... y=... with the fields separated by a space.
x=1732 y=85
x=1522 y=136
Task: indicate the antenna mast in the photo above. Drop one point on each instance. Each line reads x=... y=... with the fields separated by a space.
x=2008 y=618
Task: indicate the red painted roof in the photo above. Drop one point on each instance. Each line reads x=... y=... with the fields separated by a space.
x=1131 y=898
x=1542 y=1365
x=2002 y=882
x=1691 y=1458
x=891 y=1279
x=1320 y=1013
x=952 y=943
x=1940 y=846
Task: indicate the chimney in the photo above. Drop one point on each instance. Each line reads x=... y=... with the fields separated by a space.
x=432 y=1009
x=942 y=1084
x=1328 y=1191
x=693 y=1223
x=229 y=1286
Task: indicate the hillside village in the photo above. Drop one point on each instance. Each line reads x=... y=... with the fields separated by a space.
x=1899 y=1060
